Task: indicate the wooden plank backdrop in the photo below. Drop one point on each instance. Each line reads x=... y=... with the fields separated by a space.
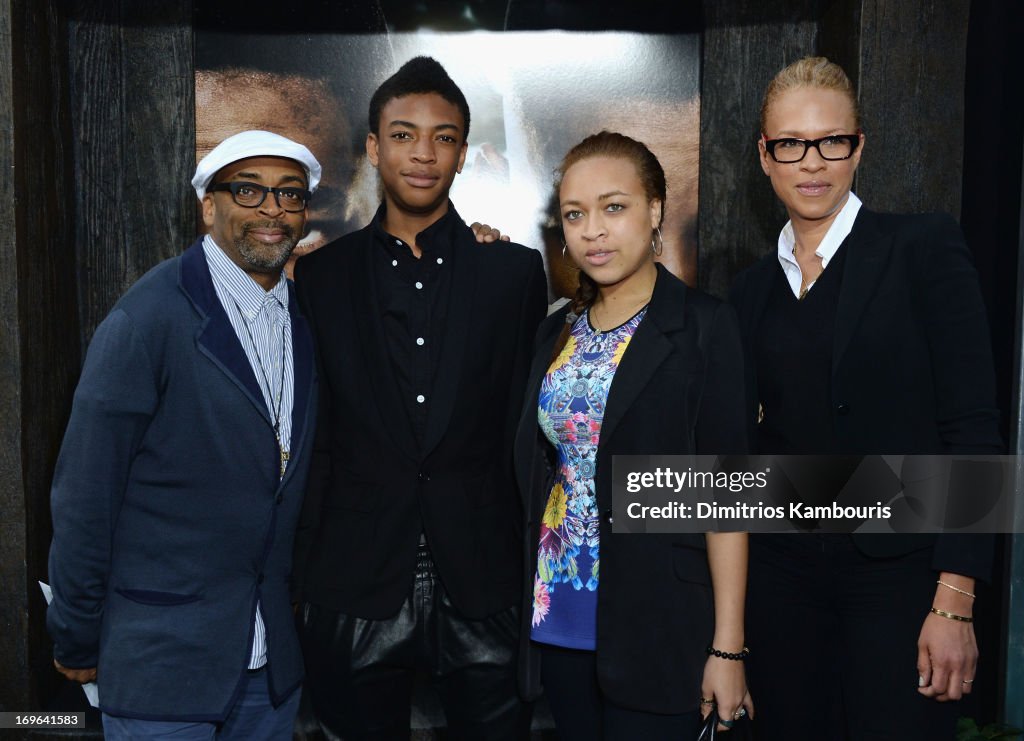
x=912 y=103
x=40 y=356
x=13 y=579
x=134 y=149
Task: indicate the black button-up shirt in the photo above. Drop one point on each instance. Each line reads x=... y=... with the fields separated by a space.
x=413 y=306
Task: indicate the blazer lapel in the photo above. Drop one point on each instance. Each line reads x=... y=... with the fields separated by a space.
x=302 y=360
x=453 y=348
x=867 y=252
x=749 y=296
x=376 y=362
x=646 y=351
x=758 y=282
x=216 y=338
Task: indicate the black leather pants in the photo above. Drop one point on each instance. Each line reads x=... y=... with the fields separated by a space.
x=359 y=673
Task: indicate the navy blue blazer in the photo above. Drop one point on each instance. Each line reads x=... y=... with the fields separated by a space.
x=170 y=520
x=912 y=365
x=678 y=390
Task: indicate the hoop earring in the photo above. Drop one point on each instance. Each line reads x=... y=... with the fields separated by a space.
x=564 y=248
x=657 y=247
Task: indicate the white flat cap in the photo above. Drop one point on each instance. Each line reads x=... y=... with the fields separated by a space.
x=254 y=144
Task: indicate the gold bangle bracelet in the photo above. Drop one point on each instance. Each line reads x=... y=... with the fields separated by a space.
x=958 y=590
x=951 y=616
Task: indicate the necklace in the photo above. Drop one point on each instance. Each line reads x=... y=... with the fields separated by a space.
x=275 y=404
x=804 y=288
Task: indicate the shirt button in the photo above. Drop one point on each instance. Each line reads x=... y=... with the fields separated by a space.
x=419 y=286
x=440 y=260
x=394 y=263
x=420 y=341
x=421 y=398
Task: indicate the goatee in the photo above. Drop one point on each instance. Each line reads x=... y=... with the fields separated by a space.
x=262 y=256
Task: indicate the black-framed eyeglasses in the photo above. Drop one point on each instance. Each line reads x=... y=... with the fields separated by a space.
x=834 y=147
x=252 y=195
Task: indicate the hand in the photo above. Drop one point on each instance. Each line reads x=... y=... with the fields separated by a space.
x=76 y=675
x=725 y=683
x=947 y=654
x=485 y=233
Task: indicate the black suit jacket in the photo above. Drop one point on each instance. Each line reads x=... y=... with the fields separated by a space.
x=911 y=360
x=678 y=390
x=371 y=487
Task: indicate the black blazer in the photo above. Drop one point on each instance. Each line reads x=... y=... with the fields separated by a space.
x=911 y=360
x=678 y=390
x=370 y=487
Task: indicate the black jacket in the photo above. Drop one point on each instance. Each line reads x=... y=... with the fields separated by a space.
x=677 y=390
x=370 y=486
x=911 y=362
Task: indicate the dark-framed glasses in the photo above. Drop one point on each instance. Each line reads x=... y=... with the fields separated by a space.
x=252 y=195
x=834 y=147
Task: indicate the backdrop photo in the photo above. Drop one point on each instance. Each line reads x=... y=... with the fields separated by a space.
x=532 y=95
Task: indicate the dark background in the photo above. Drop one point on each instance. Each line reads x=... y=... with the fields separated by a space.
x=97 y=110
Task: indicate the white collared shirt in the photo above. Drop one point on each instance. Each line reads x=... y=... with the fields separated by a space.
x=840 y=230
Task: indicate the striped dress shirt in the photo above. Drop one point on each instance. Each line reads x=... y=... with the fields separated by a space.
x=263 y=325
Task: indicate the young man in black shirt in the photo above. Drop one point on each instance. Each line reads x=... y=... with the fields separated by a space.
x=408 y=549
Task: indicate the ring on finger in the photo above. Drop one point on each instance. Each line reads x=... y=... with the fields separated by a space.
x=739 y=713
x=706 y=701
x=968 y=681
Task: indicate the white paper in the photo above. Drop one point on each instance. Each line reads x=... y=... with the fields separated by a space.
x=92 y=692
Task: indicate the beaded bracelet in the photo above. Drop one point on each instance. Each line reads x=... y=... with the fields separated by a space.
x=951 y=616
x=712 y=651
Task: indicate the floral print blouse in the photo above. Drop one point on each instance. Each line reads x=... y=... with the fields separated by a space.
x=570 y=410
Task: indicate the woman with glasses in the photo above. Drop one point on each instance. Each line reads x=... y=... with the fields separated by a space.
x=865 y=333
x=631 y=636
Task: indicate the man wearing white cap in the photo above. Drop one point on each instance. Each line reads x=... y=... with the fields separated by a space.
x=181 y=474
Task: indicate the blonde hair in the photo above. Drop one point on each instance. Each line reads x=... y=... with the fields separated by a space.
x=816 y=72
